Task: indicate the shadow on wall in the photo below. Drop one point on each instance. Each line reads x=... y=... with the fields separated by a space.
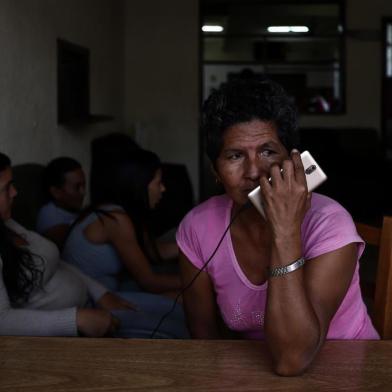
x=28 y=179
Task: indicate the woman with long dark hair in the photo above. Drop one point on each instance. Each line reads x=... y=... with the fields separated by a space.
x=112 y=239
x=40 y=295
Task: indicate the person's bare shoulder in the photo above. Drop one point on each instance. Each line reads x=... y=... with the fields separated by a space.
x=118 y=224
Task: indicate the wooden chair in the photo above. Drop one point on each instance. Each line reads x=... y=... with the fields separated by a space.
x=382 y=238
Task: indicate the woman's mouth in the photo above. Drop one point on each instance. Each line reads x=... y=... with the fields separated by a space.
x=247 y=190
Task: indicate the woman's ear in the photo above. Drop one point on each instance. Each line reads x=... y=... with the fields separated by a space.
x=215 y=174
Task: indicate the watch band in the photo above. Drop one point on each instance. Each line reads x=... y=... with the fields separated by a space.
x=280 y=271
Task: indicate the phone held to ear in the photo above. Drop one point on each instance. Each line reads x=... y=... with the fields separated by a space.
x=314 y=177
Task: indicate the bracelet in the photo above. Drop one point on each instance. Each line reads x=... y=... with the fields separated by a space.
x=280 y=271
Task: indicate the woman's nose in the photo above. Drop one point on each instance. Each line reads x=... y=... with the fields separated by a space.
x=254 y=169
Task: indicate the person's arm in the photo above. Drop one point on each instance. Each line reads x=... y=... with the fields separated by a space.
x=99 y=293
x=199 y=302
x=168 y=250
x=95 y=289
x=300 y=304
x=19 y=321
x=63 y=322
x=121 y=234
x=165 y=246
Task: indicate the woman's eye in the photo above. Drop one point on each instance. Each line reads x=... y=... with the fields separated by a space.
x=267 y=153
x=235 y=156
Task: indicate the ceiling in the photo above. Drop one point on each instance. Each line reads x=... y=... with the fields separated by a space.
x=253 y=17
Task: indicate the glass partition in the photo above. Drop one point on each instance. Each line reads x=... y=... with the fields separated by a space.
x=299 y=44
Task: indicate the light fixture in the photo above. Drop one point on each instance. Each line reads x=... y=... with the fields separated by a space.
x=212 y=28
x=299 y=29
x=288 y=29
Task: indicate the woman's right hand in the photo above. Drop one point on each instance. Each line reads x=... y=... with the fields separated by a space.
x=286 y=198
x=96 y=323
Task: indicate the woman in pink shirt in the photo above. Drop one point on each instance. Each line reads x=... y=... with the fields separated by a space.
x=290 y=277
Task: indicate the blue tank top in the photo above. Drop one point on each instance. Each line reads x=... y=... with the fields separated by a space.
x=100 y=261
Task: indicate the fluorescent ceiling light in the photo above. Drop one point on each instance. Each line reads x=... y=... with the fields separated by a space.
x=299 y=29
x=288 y=29
x=212 y=29
x=278 y=29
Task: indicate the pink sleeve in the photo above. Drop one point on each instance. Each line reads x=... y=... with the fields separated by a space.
x=328 y=232
x=188 y=240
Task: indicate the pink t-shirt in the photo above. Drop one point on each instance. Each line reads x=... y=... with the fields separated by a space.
x=327 y=226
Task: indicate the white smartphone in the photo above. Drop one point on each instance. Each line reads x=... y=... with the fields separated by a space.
x=314 y=177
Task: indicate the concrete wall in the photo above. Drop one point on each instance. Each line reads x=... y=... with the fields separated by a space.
x=162 y=79
x=28 y=79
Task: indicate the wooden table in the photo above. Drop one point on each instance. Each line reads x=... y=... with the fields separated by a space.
x=81 y=364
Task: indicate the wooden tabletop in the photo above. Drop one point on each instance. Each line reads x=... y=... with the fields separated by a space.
x=82 y=364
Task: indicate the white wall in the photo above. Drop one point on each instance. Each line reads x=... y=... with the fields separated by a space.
x=363 y=69
x=28 y=80
x=162 y=79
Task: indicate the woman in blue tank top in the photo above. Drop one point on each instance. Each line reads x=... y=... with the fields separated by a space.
x=112 y=241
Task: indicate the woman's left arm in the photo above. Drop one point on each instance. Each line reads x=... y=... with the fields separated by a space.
x=300 y=304
x=168 y=250
x=99 y=293
x=95 y=289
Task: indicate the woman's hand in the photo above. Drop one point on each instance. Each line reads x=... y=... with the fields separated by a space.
x=110 y=301
x=96 y=323
x=285 y=197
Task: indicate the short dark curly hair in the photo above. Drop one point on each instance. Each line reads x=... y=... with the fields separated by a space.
x=244 y=100
x=55 y=171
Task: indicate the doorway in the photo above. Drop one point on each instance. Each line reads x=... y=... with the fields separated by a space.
x=386 y=83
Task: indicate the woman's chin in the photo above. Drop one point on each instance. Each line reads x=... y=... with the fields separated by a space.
x=240 y=200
